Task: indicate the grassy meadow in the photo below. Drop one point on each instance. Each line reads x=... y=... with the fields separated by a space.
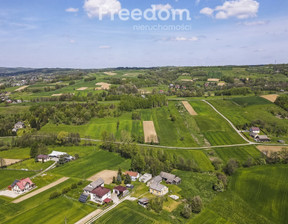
x=8 y=176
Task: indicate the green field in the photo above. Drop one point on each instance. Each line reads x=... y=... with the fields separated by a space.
x=16 y=153
x=257 y=195
x=7 y=177
x=30 y=164
x=252 y=109
x=92 y=163
x=215 y=129
x=129 y=212
x=241 y=154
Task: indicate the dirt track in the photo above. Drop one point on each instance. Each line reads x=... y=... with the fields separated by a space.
x=59 y=94
x=8 y=162
x=150 y=132
x=269 y=148
x=82 y=88
x=272 y=97
x=29 y=195
x=189 y=108
x=110 y=73
x=106 y=175
x=21 y=88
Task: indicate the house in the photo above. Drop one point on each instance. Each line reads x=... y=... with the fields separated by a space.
x=90 y=187
x=253 y=135
x=56 y=154
x=254 y=130
x=101 y=195
x=170 y=178
x=158 y=189
x=120 y=190
x=21 y=186
x=143 y=202
x=18 y=125
x=134 y=175
x=145 y=178
x=262 y=138
x=43 y=158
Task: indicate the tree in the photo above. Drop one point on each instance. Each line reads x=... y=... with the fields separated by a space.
x=34 y=150
x=217 y=163
x=76 y=156
x=231 y=167
x=219 y=186
x=127 y=179
x=62 y=137
x=186 y=211
x=114 y=180
x=119 y=179
x=138 y=163
x=196 y=204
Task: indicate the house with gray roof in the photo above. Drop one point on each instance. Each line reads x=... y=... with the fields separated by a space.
x=158 y=189
x=90 y=187
x=170 y=178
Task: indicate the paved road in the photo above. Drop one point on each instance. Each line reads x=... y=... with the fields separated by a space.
x=40 y=190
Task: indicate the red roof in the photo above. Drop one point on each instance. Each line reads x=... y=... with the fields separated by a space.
x=100 y=191
x=131 y=173
x=22 y=183
x=120 y=188
x=107 y=200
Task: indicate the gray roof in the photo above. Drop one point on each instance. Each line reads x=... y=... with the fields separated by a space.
x=177 y=179
x=262 y=137
x=157 y=187
x=94 y=185
x=168 y=176
x=156 y=180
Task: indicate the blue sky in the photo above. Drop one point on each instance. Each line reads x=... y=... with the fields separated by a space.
x=68 y=33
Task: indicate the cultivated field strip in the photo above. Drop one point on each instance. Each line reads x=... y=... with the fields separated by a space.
x=150 y=134
x=189 y=108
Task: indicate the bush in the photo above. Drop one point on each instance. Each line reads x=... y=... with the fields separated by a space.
x=73 y=186
x=66 y=190
x=186 y=211
x=231 y=167
x=54 y=195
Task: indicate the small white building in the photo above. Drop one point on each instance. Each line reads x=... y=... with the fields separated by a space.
x=255 y=130
x=145 y=178
x=56 y=154
x=101 y=195
x=133 y=175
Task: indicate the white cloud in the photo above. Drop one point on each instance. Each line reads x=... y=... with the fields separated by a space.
x=207 y=11
x=72 y=10
x=186 y=39
x=104 y=47
x=101 y=7
x=241 y=9
x=161 y=7
x=72 y=41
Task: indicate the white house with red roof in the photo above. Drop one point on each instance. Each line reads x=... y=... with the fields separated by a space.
x=101 y=195
x=21 y=186
x=134 y=175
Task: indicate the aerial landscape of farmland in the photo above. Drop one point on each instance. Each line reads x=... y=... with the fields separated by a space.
x=125 y=112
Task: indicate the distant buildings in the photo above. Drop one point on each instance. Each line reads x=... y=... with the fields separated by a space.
x=133 y=175
x=145 y=178
x=43 y=158
x=17 y=126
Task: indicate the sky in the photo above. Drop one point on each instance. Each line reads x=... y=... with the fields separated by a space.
x=81 y=33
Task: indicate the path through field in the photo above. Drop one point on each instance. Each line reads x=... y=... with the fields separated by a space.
x=40 y=190
x=21 y=88
x=189 y=108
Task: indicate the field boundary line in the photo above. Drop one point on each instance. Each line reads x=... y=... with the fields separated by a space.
x=33 y=193
x=231 y=124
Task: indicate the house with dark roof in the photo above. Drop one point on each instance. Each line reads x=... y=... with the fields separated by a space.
x=90 y=187
x=43 y=158
x=21 y=186
x=120 y=190
x=101 y=195
x=254 y=130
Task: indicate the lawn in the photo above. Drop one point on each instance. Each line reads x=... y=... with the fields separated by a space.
x=241 y=154
x=30 y=164
x=215 y=129
x=92 y=163
x=251 y=100
x=8 y=176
